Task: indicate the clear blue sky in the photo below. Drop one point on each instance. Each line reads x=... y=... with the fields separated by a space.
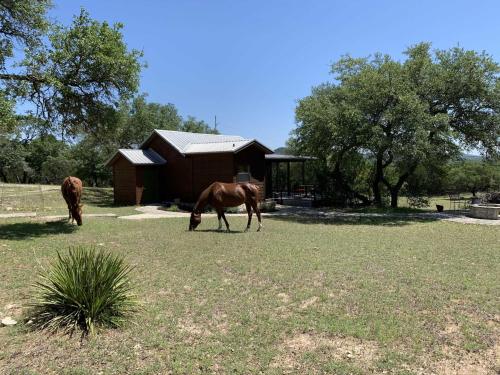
x=248 y=62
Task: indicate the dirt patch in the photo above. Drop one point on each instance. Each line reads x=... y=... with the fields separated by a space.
x=457 y=361
x=219 y=323
x=461 y=362
x=308 y=302
x=283 y=297
x=187 y=325
x=363 y=353
x=450 y=334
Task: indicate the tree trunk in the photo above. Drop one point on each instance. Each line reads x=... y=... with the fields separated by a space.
x=394 y=198
x=377 y=179
x=342 y=186
x=4 y=177
x=397 y=187
x=377 y=196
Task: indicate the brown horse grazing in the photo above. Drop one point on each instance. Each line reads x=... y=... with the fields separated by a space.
x=220 y=195
x=71 y=189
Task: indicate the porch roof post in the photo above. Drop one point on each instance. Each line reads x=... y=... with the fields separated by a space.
x=288 y=178
x=303 y=173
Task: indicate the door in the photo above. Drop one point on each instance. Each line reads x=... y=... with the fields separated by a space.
x=151 y=186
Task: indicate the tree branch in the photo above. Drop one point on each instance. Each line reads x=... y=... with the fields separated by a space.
x=22 y=77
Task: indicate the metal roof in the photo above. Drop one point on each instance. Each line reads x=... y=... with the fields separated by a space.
x=197 y=143
x=139 y=157
x=283 y=157
x=233 y=146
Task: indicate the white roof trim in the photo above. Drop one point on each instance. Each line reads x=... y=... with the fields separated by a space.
x=139 y=157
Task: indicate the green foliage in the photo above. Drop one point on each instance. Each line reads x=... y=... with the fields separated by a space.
x=400 y=116
x=139 y=118
x=84 y=289
x=56 y=168
x=74 y=76
x=473 y=176
x=91 y=155
x=417 y=201
x=12 y=163
x=191 y=124
x=38 y=151
x=8 y=119
x=22 y=23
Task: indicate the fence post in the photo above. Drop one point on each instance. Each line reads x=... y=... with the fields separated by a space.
x=41 y=196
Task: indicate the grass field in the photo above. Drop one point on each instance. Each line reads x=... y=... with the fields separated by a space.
x=356 y=296
x=47 y=200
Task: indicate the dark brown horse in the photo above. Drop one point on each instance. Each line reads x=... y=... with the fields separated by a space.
x=71 y=190
x=220 y=195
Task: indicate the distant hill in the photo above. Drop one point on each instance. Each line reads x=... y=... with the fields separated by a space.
x=472 y=157
x=282 y=151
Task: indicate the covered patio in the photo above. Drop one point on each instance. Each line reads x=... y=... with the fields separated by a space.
x=280 y=185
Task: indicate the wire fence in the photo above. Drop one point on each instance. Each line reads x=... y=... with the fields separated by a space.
x=17 y=197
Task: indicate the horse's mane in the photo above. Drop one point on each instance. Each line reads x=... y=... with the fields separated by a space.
x=203 y=199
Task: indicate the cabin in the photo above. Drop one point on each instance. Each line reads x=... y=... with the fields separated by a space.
x=173 y=165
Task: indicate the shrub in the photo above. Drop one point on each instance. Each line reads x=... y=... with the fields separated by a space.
x=416 y=201
x=83 y=289
x=492 y=198
x=267 y=206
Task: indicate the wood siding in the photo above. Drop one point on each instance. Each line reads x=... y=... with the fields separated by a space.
x=254 y=158
x=175 y=176
x=124 y=182
x=209 y=168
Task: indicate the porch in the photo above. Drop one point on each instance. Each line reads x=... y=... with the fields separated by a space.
x=288 y=181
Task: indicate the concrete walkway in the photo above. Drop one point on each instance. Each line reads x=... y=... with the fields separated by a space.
x=154 y=212
x=49 y=217
x=60 y=217
x=17 y=214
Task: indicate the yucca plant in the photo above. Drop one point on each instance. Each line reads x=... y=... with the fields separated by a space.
x=83 y=289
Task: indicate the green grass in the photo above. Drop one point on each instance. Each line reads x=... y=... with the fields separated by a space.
x=353 y=296
x=47 y=200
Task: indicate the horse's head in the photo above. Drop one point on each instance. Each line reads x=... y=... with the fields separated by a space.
x=195 y=220
x=76 y=213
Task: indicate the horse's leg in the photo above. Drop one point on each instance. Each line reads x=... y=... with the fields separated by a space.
x=249 y=212
x=255 y=206
x=69 y=208
x=219 y=215
x=225 y=221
